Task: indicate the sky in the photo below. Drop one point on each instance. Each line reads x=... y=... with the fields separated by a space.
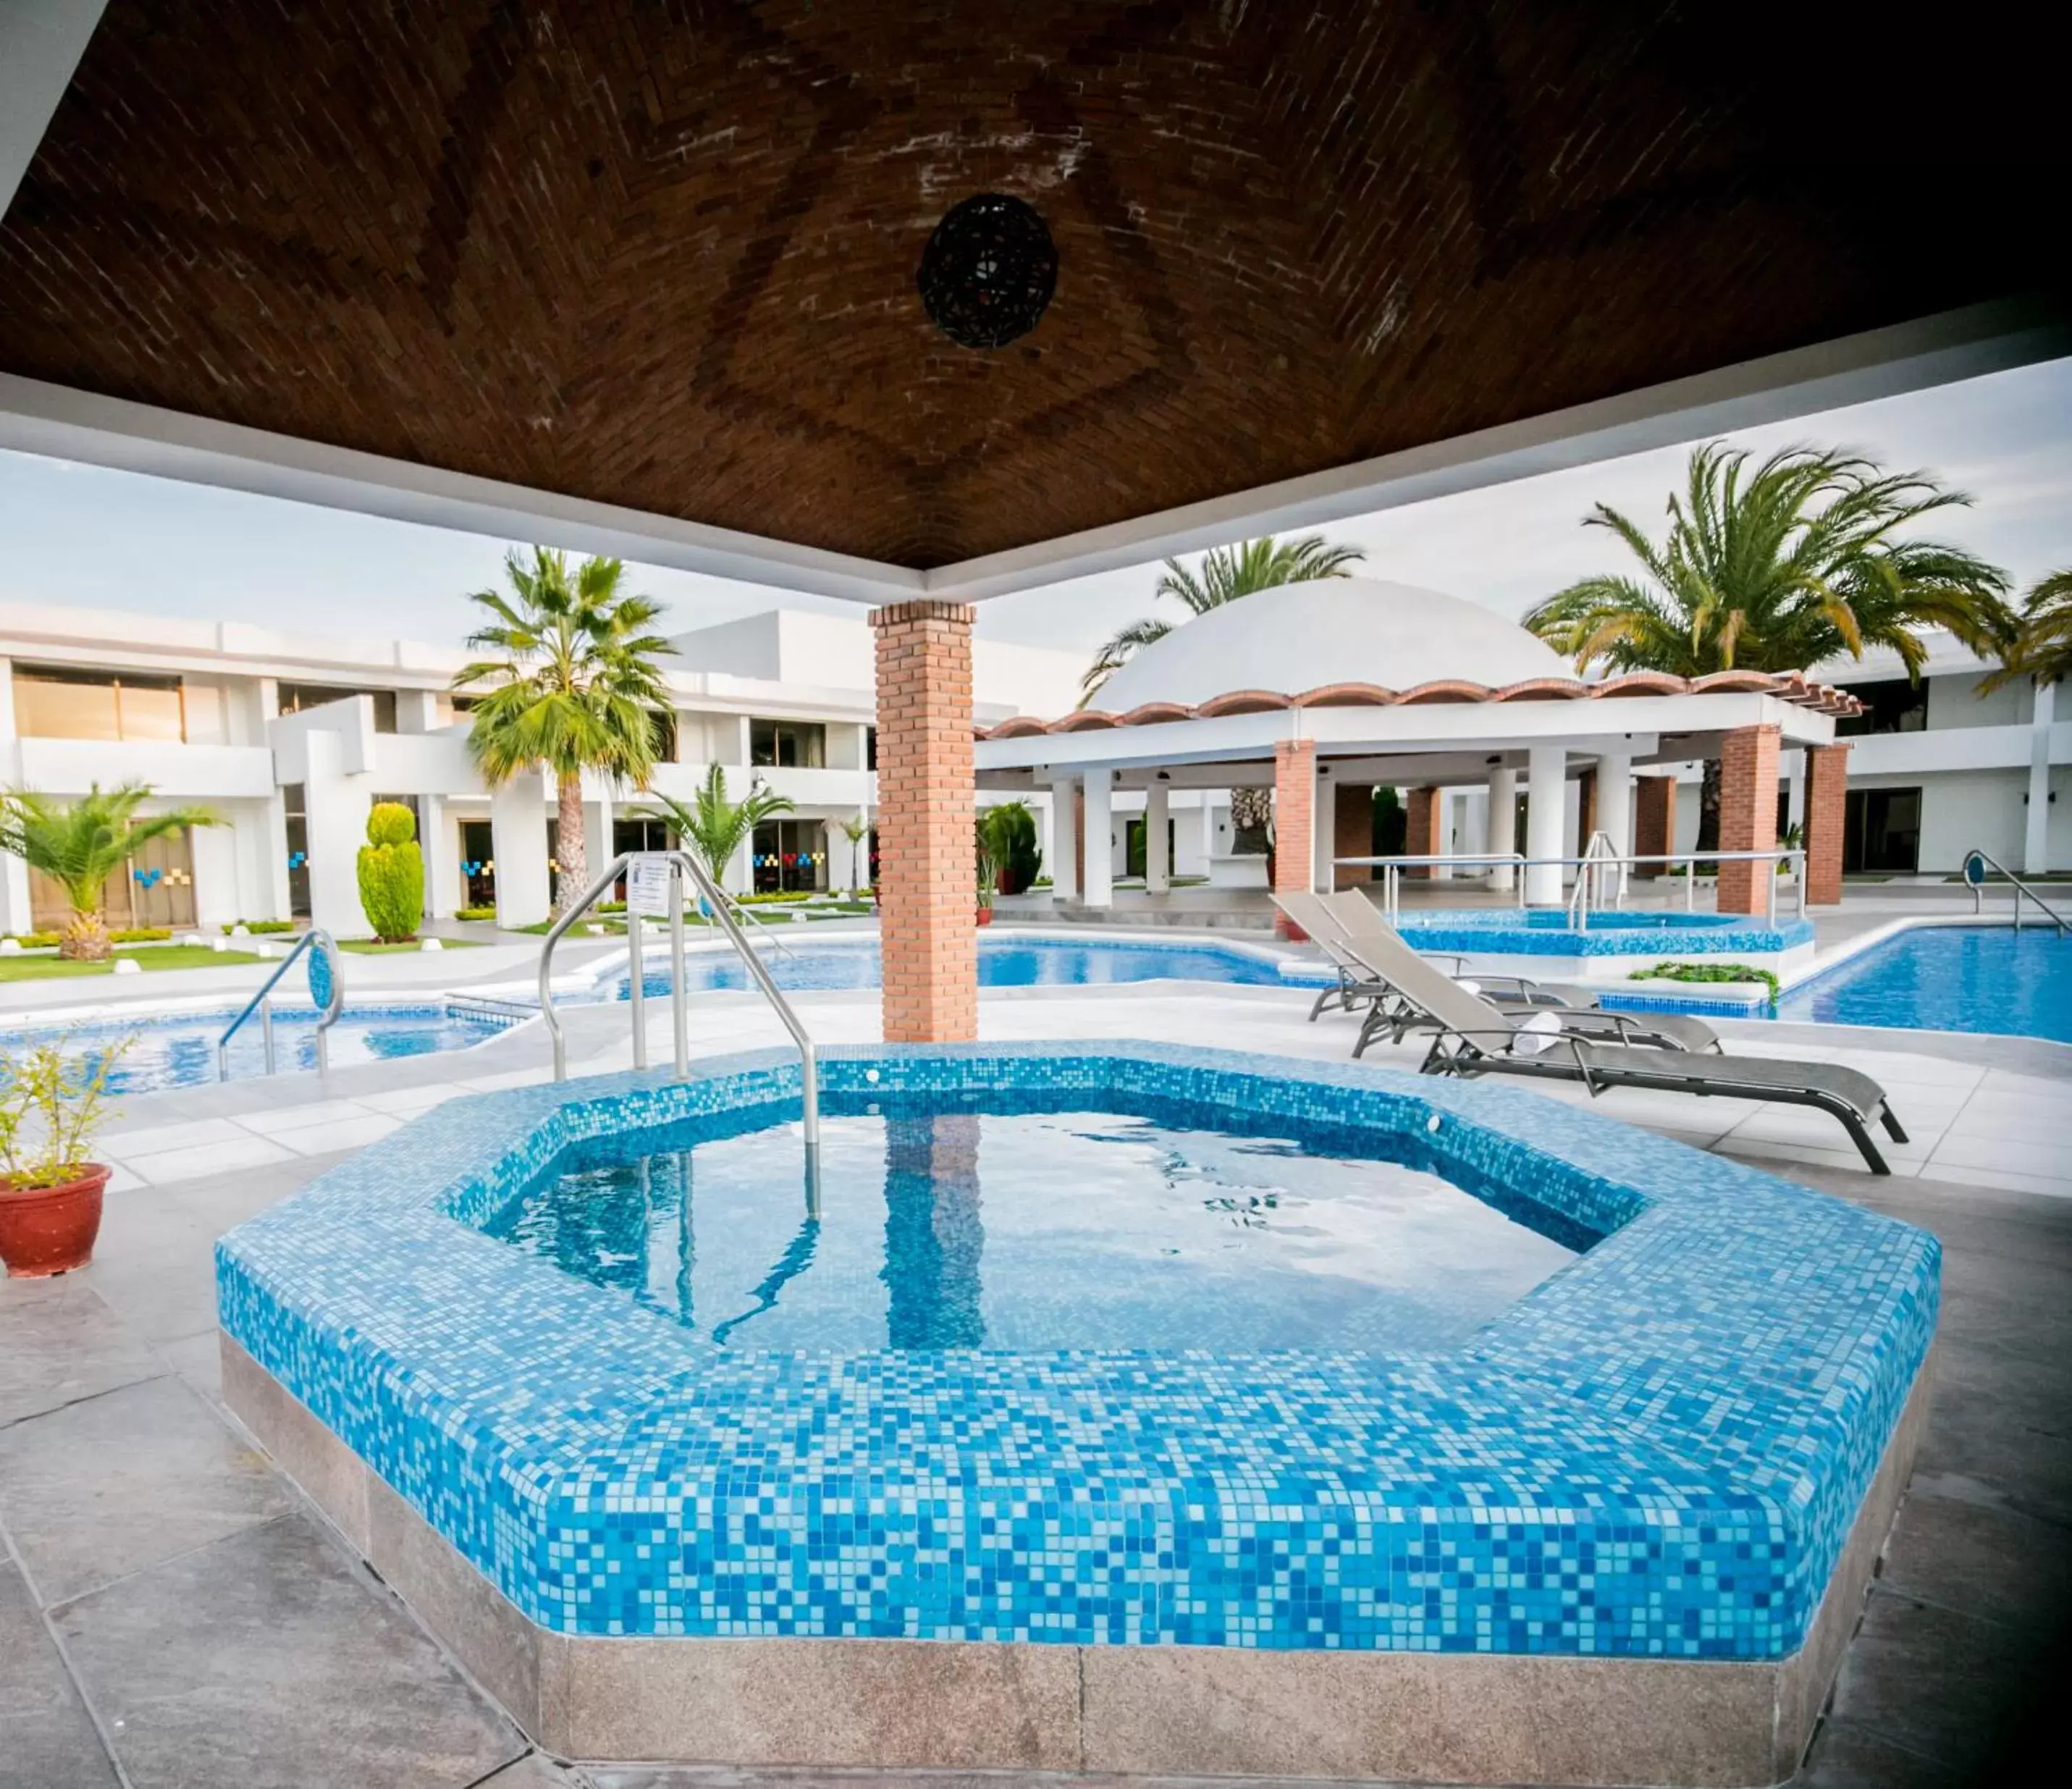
x=87 y=536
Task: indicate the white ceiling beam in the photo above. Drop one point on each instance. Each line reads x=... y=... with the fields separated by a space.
x=37 y=417
x=41 y=42
x=67 y=424
x=1856 y=369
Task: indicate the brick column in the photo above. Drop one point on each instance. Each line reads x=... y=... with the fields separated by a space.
x=1654 y=821
x=1352 y=825
x=1747 y=814
x=1826 y=809
x=1294 y=840
x=1420 y=837
x=927 y=872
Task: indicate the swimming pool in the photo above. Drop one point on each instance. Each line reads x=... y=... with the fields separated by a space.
x=1546 y=931
x=174 y=1049
x=944 y=1226
x=829 y=966
x=1949 y=978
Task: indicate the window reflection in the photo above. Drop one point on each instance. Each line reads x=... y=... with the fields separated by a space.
x=54 y=703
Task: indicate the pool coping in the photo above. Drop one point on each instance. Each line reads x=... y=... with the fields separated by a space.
x=947 y=1704
x=1792 y=1448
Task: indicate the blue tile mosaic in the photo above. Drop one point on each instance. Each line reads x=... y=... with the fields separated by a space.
x=1657 y=1453
x=1546 y=932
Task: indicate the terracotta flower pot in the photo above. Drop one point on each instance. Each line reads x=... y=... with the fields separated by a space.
x=46 y=1230
x=985 y=915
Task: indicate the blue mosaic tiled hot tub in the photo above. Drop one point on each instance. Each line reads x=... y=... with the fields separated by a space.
x=1547 y=932
x=1656 y=1452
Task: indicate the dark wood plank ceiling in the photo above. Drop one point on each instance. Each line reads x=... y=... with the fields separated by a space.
x=663 y=254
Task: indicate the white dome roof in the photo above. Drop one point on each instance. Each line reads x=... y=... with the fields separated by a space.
x=1329 y=629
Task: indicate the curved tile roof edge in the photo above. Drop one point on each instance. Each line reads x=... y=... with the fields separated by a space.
x=1790 y=686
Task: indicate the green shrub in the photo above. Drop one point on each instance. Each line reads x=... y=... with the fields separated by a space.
x=476 y=913
x=1709 y=971
x=392 y=873
x=1007 y=834
x=38 y=940
x=259 y=928
x=141 y=935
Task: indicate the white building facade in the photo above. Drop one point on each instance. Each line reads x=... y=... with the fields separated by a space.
x=290 y=738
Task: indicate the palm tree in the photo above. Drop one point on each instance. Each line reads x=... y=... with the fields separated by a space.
x=576 y=688
x=714 y=827
x=855 y=829
x=1226 y=574
x=1778 y=569
x=2043 y=648
x=80 y=844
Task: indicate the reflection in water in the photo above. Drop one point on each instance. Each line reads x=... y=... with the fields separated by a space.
x=934 y=1235
x=794 y=1261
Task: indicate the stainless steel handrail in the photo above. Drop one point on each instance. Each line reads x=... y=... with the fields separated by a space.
x=1392 y=886
x=262 y=1002
x=2021 y=888
x=685 y=866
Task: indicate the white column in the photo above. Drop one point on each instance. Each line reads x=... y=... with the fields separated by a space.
x=1157 y=838
x=336 y=802
x=1098 y=872
x=2036 y=833
x=1501 y=828
x=1323 y=832
x=1064 y=841
x=439 y=841
x=518 y=843
x=1545 y=792
x=14 y=873
x=1615 y=799
x=1442 y=809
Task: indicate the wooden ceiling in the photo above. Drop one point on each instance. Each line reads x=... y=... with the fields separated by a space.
x=662 y=253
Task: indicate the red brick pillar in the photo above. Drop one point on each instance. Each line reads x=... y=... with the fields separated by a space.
x=1748 y=815
x=926 y=877
x=1420 y=837
x=1294 y=809
x=1826 y=807
x=1352 y=832
x=1653 y=820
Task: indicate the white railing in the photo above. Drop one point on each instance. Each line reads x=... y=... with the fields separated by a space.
x=1594 y=864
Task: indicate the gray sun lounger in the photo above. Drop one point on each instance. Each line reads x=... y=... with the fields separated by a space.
x=1473 y=1038
x=1422 y=996
x=1358 y=919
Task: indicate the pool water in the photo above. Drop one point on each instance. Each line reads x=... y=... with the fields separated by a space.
x=180 y=1050
x=1949 y=978
x=1002 y=963
x=1029 y=1230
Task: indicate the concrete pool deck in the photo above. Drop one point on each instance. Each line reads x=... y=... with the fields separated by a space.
x=172 y=1604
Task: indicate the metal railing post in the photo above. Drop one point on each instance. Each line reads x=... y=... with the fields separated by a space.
x=679 y=1010
x=266 y=1028
x=555 y=934
x=636 y=987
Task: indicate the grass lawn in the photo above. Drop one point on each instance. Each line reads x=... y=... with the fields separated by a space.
x=367 y=947
x=150 y=956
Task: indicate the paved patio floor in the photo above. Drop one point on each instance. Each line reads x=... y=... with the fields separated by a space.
x=172 y=1612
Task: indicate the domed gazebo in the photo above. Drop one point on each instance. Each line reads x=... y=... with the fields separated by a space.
x=1322 y=690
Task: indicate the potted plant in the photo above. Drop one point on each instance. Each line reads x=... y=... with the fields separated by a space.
x=989 y=883
x=51 y=1106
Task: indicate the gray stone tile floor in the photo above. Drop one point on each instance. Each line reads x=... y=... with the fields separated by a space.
x=173 y=1614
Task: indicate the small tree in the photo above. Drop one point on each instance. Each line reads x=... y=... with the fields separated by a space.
x=392 y=873
x=78 y=845
x=855 y=829
x=714 y=827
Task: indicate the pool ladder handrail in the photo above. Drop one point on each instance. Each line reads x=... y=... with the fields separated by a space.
x=2021 y=890
x=262 y=1003
x=683 y=867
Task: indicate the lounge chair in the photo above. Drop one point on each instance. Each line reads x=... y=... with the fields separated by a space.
x=1472 y=1039
x=1417 y=997
x=1359 y=919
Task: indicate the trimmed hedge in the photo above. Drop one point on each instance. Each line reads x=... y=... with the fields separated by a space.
x=392 y=873
x=259 y=928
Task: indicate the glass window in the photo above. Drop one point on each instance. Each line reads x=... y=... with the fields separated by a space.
x=1896 y=705
x=789 y=855
x=51 y=703
x=870 y=748
x=295 y=802
x=803 y=744
x=1881 y=830
x=296 y=698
